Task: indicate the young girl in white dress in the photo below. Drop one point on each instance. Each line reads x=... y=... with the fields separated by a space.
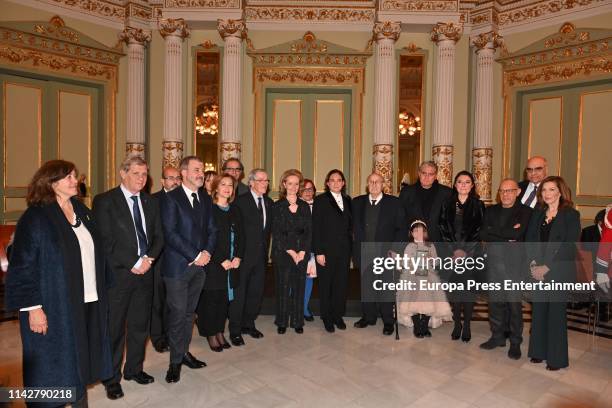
x=421 y=308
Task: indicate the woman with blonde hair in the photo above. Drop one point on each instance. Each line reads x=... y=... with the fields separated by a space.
x=291 y=231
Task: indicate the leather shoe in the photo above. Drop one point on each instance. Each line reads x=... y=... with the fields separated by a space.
x=329 y=326
x=551 y=368
x=140 y=378
x=190 y=361
x=161 y=346
x=491 y=344
x=174 y=373
x=114 y=391
x=253 y=332
x=309 y=318
x=388 y=329
x=299 y=330
x=281 y=330
x=340 y=324
x=237 y=340
x=535 y=360
x=361 y=323
x=514 y=352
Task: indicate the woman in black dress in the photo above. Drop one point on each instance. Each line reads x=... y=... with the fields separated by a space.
x=57 y=280
x=221 y=277
x=291 y=232
x=461 y=217
x=556 y=224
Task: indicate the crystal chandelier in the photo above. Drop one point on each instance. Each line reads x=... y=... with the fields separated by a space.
x=408 y=123
x=208 y=121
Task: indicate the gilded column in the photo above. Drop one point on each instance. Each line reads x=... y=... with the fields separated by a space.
x=232 y=32
x=386 y=34
x=445 y=36
x=174 y=31
x=482 y=152
x=136 y=40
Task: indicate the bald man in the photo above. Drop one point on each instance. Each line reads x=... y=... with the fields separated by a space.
x=536 y=170
x=505 y=224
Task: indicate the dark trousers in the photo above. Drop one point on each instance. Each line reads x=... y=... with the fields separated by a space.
x=129 y=314
x=548 y=340
x=506 y=316
x=159 y=310
x=212 y=312
x=371 y=310
x=290 y=284
x=467 y=308
x=333 y=285
x=248 y=296
x=182 y=295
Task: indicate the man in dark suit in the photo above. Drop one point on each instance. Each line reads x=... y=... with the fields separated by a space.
x=234 y=168
x=536 y=171
x=379 y=220
x=171 y=178
x=256 y=209
x=190 y=239
x=332 y=236
x=423 y=199
x=130 y=227
x=503 y=224
x=589 y=241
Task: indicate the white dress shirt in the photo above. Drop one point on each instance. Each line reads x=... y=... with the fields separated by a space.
x=530 y=187
x=88 y=261
x=377 y=198
x=338 y=198
x=263 y=204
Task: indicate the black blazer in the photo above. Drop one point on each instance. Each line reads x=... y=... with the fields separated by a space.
x=523 y=186
x=559 y=252
x=116 y=227
x=493 y=231
x=257 y=238
x=391 y=226
x=473 y=215
x=412 y=202
x=291 y=231
x=225 y=221
x=187 y=232
x=332 y=228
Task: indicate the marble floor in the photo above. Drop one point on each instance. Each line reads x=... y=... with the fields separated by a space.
x=358 y=368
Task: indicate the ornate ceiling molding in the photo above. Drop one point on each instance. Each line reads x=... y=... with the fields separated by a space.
x=309 y=51
x=569 y=54
x=199 y=4
x=419 y=5
x=310 y=14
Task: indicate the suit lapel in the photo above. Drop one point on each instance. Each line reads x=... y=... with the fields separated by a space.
x=333 y=201
x=183 y=200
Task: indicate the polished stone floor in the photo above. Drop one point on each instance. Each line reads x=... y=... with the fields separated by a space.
x=359 y=367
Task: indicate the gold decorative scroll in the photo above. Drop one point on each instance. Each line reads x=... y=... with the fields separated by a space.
x=483 y=40
x=172 y=153
x=134 y=149
x=227 y=4
x=443 y=156
x=229 y=150
x=135 y=35
x=306 y=14
x=540 y=9
x=387 y=29
x=339 y=76
x=173 y=26
x=482 y=168
x=383 y=165
x=232 y=28
x=419 y=5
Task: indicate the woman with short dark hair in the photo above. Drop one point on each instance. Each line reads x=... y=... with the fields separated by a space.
x=57 y=280
x=556 y=223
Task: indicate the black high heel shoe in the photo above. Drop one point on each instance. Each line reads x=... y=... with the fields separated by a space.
x=456 y=331
x=217 y=348
x=223 y=342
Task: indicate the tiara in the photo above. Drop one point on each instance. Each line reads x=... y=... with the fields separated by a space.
x=418 y=222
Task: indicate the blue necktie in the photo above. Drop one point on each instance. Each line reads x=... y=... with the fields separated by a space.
x=142 y=238
x=531 y=196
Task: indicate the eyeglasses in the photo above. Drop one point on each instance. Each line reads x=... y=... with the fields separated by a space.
x=532 y=169
x=308 y=189
x=508 y=191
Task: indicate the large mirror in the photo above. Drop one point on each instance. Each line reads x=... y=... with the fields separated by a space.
x=409 y=131
x=206 y=118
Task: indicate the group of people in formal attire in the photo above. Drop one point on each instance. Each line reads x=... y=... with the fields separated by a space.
x=93 y=285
